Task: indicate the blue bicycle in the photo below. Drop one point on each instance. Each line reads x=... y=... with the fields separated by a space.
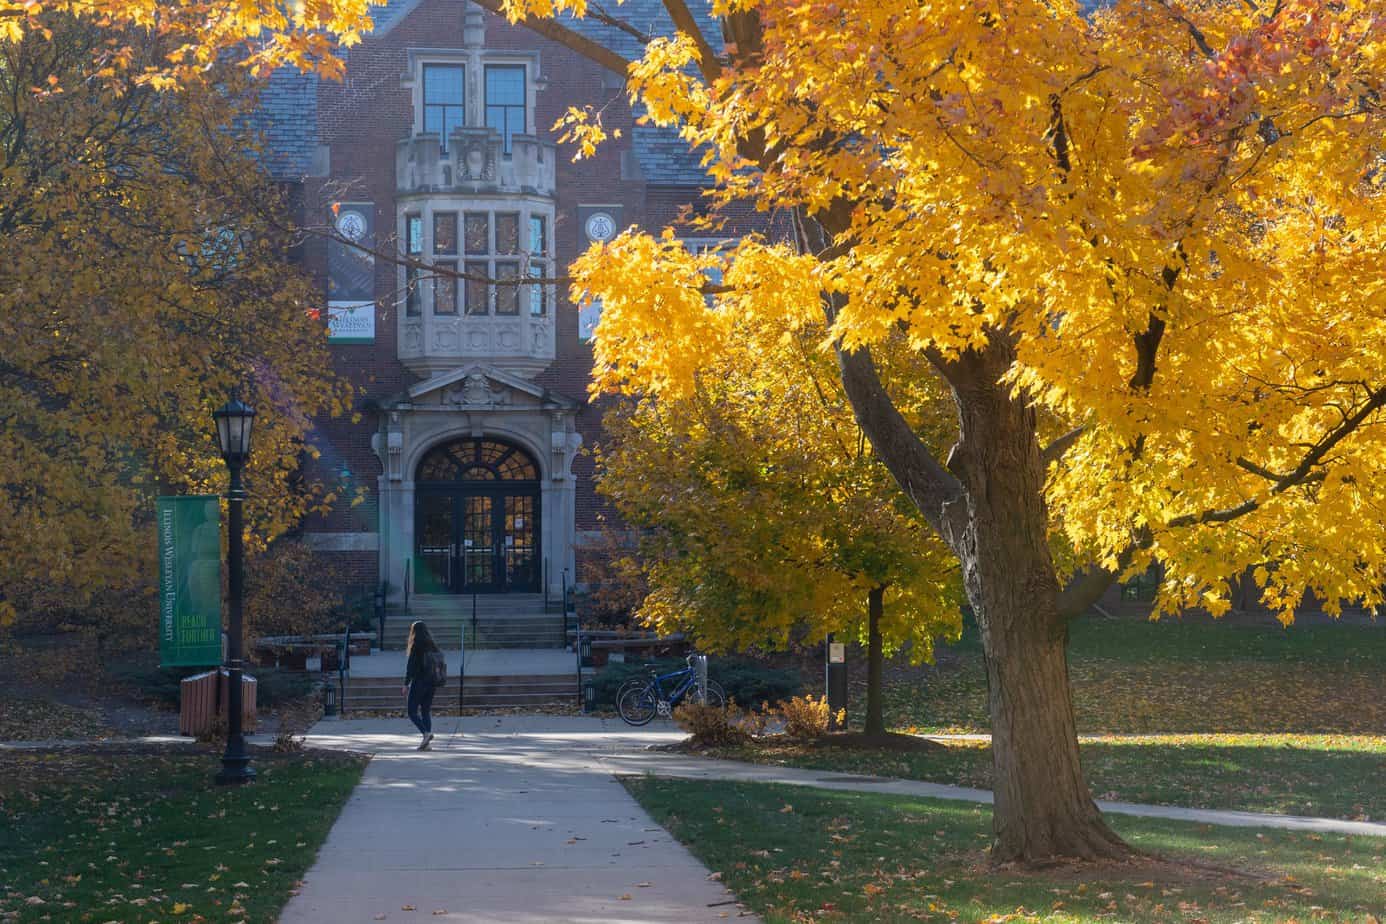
x=639 y=701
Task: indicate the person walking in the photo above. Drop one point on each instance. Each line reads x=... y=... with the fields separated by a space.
x=424 y=673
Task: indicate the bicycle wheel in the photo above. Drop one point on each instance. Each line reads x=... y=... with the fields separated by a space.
x=638 y=706
x=632 y=683
x=716 y=696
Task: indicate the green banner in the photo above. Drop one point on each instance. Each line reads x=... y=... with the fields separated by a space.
x=189 y=581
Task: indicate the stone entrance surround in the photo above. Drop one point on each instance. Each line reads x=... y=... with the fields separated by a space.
x=478 y=401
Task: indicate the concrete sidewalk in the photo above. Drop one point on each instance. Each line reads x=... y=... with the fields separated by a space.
x=508 y=818
x=677 y=766
x=521 y=818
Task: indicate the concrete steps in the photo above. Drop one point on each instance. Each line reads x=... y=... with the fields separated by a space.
x=496 y=691
x=499 y=621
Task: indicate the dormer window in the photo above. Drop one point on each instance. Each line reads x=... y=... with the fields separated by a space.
x=444 y=99
x=505 y=100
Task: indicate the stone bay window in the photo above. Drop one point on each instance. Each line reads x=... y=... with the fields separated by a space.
x=475 y=196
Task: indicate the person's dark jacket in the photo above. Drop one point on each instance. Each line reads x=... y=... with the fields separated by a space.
x=417 y=668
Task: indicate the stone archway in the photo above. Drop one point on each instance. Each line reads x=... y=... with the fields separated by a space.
x=477 y=503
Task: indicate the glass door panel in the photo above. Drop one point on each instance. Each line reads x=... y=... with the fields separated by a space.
x=518 y=532
x=434 y=572
x=478 y=543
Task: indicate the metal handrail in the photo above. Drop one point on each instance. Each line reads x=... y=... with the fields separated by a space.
x=408 y=582
x=461 y=670
x=344 y=670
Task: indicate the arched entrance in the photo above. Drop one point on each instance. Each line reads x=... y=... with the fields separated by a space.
x=477 y=518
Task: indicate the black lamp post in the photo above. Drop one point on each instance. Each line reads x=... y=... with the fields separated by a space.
x=233 y=435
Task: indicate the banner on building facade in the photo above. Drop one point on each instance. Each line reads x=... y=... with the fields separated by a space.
x=351 y=322
x=189 y=581
x=351 y=275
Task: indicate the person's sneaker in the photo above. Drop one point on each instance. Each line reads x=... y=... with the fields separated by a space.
x=427 y=742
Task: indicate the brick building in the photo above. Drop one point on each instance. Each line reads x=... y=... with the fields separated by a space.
x=473 y=408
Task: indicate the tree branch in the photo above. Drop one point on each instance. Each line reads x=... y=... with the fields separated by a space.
x=1302 y=473
x=1088 y=585
x=683 y=20
x=556 y=31
x=931 y=487
x=1055 y=450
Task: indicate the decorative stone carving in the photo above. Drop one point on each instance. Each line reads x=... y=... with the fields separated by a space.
x=394 y=446
x=413 y=338
x=508 y=339
x=476 y=390
x=564 y=444
x=445 y=337
x=477 y=163
x=478 y=341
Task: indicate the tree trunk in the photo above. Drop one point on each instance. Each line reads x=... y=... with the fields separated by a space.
x=1043 y=807
x=875 y=662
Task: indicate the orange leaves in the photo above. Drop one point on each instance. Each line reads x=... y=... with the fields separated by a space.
x=583 y=127
x=259 y=29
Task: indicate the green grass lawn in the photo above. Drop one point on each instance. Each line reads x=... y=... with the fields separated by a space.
x=795 y=854
x=1138 y=677
x=1332 y=776
x=140 y=834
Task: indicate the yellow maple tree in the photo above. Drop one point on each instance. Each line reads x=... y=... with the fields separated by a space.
x=765 y=519
x=194 y=36
x=1151 y=231
x=141 y=280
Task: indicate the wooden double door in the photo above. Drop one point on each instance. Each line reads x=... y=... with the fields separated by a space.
x=482 y=539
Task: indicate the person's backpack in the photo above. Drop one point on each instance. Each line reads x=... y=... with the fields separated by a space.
x=437 y=668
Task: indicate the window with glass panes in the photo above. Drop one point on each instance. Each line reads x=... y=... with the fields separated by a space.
x=505 y=100
x=413 y=248
x=501 y=245
x=444 y=99
x=444 y=245
x=538 y=264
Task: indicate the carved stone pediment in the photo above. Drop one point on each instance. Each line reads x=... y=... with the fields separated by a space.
x=476 y=390
x=484 y=388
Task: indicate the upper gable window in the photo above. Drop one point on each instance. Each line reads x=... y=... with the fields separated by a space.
x=505 y=100
x=444 y=99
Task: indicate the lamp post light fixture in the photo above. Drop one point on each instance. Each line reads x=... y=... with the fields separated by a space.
x=233 y=436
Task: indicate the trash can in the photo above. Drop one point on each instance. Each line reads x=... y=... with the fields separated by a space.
x=203 y=697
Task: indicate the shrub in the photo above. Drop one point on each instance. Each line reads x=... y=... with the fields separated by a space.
x=711 y=726
x=747 y=681
x=807 y=717
x=274 y=688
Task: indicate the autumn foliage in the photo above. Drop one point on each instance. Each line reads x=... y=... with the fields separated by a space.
x=1139 y=244
x=142 y=279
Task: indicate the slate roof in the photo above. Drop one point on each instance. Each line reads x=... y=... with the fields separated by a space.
x=287 y=118
x=665 y=159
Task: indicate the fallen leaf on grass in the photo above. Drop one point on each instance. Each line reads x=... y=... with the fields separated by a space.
x=626 y=897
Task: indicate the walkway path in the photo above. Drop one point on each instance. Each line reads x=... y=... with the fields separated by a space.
x=521 y=818
x=508 y=818
x=679 y=766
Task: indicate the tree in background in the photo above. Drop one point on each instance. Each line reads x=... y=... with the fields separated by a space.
x=140 y=283
x=192 y=37
x=1157 y=225
x=766 y=518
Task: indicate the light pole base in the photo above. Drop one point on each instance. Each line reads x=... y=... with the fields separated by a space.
x=235 y=771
